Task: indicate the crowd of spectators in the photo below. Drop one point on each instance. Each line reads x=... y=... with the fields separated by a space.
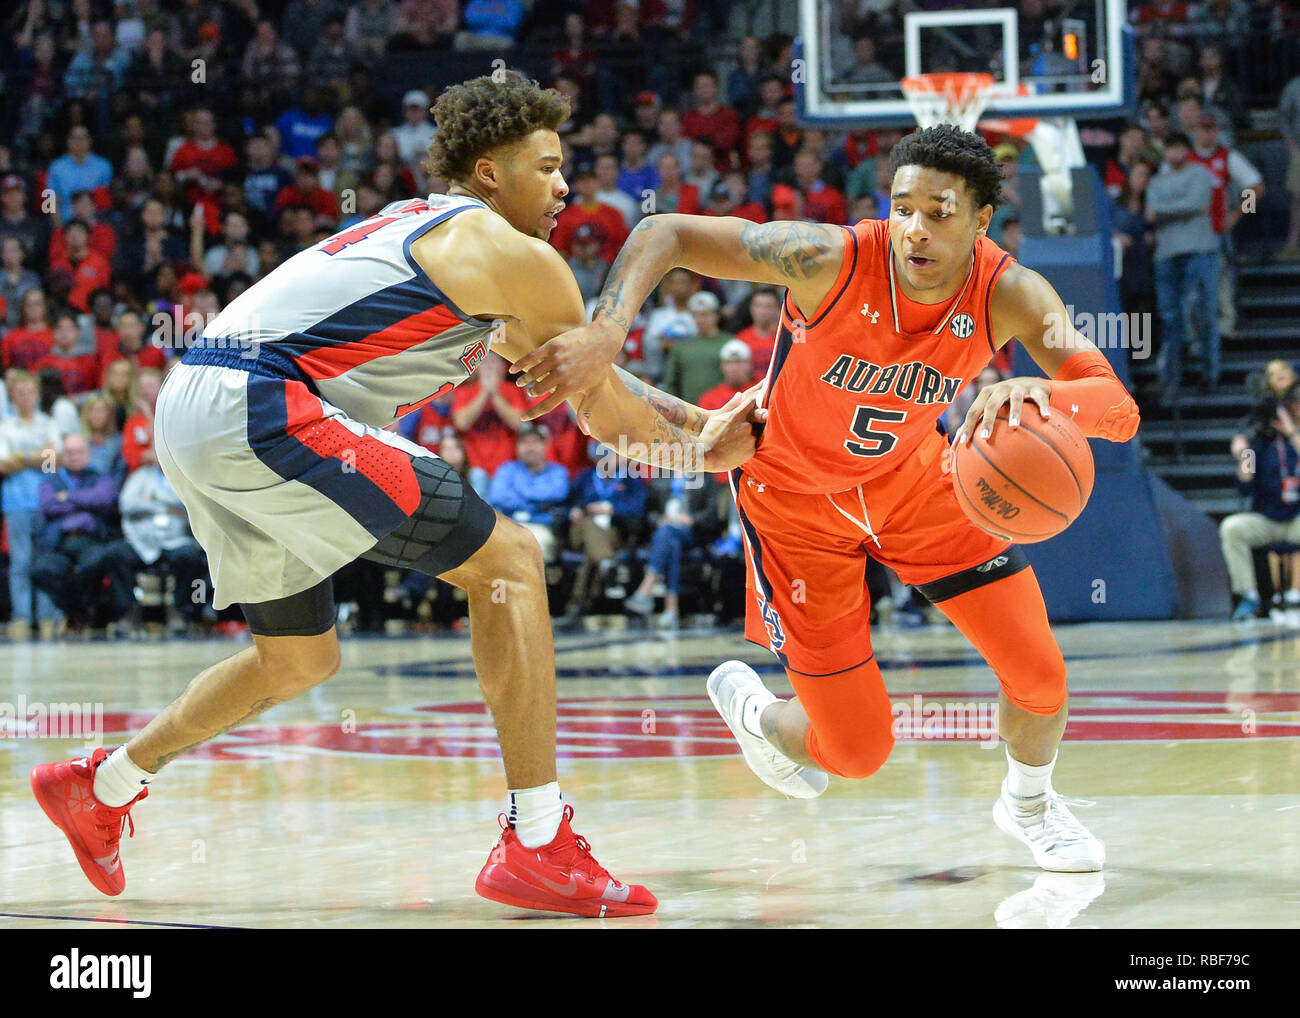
x=158 y=158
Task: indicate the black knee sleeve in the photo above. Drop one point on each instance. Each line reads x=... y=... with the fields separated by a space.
x=307 y=613
x=449 y=525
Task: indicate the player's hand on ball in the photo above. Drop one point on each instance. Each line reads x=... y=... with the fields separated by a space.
x=1012 y=393
x=571 y=363
x=728 y=439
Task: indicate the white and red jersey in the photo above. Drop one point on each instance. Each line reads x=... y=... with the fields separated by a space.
x=1217 y=163
x=356 y=319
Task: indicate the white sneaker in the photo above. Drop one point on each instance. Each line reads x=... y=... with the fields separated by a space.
x=1059 y=842
x=1055 y=901
x=738 y=693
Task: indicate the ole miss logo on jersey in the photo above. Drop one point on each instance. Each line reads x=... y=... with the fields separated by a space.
x=472 y=355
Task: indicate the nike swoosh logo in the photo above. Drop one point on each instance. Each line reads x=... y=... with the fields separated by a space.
x=109 y=864
x=568 y=890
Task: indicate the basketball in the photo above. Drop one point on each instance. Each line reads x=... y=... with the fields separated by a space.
x=1025 y=484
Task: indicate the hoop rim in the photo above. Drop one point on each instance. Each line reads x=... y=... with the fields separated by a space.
x=935 y=82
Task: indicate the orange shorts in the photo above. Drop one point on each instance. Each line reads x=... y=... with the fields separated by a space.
x=806 y=593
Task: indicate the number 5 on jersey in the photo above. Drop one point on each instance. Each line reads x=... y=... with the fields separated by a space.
x=874 y=443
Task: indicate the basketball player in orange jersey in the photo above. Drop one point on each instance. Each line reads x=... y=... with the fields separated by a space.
x=883 y=324
x=279 y=451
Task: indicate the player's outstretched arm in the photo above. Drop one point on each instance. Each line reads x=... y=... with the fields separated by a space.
x=806 y=257
x=1080 y=381
x=619 y=410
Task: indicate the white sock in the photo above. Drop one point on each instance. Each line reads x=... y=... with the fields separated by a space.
x=1250 y=595
x=1292 y=597
x=119 y=780
x=751 y=714
x=1027 y=785
x=535 y=814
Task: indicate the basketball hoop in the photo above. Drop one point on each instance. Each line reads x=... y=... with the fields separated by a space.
x=948 y=97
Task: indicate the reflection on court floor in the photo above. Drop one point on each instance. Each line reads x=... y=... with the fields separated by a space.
x=371 y=801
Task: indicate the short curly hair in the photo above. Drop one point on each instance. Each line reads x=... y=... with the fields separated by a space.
x=949 y=149
x=485 y=113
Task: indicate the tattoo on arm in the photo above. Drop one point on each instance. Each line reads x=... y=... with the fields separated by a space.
x=676 y=412
x=674 y=440
x=795 y=249
x=610 y=304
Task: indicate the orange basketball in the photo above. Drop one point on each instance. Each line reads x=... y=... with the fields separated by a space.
x=1028 y=483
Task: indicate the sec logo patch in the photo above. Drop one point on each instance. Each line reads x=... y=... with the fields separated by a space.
x=963 y=326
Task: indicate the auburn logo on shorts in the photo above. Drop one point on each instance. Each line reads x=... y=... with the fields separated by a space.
x=472 y=355
x=773 y=622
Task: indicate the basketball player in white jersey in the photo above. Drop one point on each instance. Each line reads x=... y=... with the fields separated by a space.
x=271 y=431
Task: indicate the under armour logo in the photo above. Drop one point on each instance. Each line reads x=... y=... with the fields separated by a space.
x=1074 y=409
x=758 y=485
x=868 y=313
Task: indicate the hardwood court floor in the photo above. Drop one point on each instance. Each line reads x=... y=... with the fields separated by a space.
x=371 y=802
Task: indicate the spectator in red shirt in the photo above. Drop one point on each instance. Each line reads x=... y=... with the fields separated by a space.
x=574 y=60
x=1169 y=11
x=787 y=203
x=727 y=199
x=1133 y=148
x=432 y=423
x=306 y=190
x=673 y=193
x=760 y=336
x=737 y=375
x=129 y=343
x=788 y=137
x=199 y=163
x=80 y=371
x=103 y=238
x=586 y=209
x=717 y=124
x=486 y=411
x=137 y=432
x=822 y=203
x=89 y=269
x=771 y=91
x=32 y=339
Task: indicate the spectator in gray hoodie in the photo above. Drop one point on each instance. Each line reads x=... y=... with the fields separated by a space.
x=1187 y=261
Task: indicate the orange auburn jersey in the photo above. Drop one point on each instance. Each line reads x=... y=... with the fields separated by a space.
x=854 y=392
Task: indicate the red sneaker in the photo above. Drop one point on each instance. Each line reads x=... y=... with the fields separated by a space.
x=559 y=877
x=65 y=792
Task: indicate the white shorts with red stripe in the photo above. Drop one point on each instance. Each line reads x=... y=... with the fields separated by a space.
x=282 y=488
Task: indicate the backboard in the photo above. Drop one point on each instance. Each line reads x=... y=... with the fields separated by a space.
x=1077 y=63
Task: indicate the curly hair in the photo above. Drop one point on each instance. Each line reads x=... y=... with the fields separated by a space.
x=485 y=113
x=949 y=149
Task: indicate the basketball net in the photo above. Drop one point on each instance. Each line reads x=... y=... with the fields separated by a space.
x=959 y=98
x=948 y=97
